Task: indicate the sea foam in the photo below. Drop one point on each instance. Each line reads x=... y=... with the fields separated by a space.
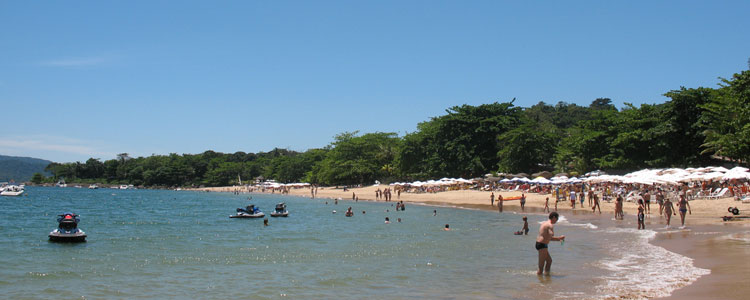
x=640 y=270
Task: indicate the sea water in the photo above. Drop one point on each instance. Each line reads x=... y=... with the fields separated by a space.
x=182 y=244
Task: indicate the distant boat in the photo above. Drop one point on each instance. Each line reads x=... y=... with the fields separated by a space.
x=93 y=187
x=11 y=190
x=61 y=183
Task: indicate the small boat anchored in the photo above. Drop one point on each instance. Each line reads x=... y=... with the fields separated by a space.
x=280 y=210
x=250 y=211
x=67 y=229
x=11 y=190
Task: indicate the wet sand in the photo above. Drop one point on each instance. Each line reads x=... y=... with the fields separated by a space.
x=711 y=248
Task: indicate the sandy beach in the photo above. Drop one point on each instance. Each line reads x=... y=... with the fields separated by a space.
x=704 y=212
x=705 y=242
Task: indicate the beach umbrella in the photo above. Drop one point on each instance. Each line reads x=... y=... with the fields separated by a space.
x=541 y=180
x=595 y=173
x=713 y=175
x=739 y=169
x=506 y=180
x=720 y=169
x=545 y=174
x=736 y=175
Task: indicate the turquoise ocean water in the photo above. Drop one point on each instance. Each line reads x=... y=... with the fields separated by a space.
x=181 y=244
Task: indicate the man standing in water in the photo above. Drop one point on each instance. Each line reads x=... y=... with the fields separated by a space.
x=546 y=234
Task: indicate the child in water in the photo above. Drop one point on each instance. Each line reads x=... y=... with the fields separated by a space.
x=525 y=229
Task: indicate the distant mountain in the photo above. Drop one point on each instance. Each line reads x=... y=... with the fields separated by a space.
x=21 y=169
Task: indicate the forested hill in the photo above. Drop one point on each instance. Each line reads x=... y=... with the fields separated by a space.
x=20 y=169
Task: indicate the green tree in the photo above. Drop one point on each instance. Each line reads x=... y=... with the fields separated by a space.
x=37 y=178
x=527 y=148
x=727 y=117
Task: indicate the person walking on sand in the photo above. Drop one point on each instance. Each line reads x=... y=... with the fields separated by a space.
x=681 y=206
x=668 y=210
x=573 y=199
x=596 y=204
x=546 y=234
x=660 y=201
x=492 y=199
x=546 y=205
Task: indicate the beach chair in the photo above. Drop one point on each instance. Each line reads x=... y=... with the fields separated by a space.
x=719 y=194
x=707 y=193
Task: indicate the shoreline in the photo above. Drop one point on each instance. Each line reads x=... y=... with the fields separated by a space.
x=705 y=241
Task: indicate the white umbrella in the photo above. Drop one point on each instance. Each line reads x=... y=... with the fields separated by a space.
x=541 y=180
x=736 y=175
x=720 y=169
x=713 y=175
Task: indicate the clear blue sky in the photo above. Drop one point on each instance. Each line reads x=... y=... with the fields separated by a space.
x=82 y=79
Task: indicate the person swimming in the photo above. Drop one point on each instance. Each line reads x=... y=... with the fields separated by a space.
x=447 y=227
x=387 y=220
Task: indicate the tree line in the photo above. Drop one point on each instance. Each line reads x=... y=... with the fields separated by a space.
x=695 y=127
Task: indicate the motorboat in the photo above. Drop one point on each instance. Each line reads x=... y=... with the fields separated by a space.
x=250 y=211
x=11 y=190
x=67 y=229
x=93 y=187
x=280 y=210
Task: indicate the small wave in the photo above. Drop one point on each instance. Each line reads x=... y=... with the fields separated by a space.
x=641 y=270
x=562 y=220
x=740 y=237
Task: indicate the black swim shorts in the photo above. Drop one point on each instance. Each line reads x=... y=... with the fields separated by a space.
x=540 y=246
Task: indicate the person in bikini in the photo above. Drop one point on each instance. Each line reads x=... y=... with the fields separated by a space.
x=596 y=204
x=546 y=234
x=684 y=207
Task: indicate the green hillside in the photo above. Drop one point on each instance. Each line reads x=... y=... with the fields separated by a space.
x=20 y=169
